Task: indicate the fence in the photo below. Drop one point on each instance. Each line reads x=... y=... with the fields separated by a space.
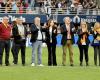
x=50 y=11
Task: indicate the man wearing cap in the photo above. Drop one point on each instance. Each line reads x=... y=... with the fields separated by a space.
x=5 y=34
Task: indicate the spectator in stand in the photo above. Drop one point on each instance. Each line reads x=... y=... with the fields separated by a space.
x=36 y=3
x=64 y=4
x=74 y=7
x=2 y=6
x=59 y=5
x=26 y=4
x=2 y=3
x=46 y=6
x=14 y=6
x=81 y=1
x=68 y=2
x=32 y=3
x=92 y=4
x=21 y=8
x=89 y=4
x=78 y=6
x=29 y=1
x=8 y=6
x=98 y=4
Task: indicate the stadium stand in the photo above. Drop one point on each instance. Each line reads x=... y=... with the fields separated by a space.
x=50 y=6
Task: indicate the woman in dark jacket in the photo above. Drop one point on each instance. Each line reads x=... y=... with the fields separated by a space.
x=83 y=42
x=96 y=42
x=51 y=33
x=14 y=24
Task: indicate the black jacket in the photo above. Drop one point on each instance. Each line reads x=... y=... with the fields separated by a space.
x=34 y=33
x=16 y=36
x=80 y=35
x=54 y=34
x=95 y=35
x=64 y=34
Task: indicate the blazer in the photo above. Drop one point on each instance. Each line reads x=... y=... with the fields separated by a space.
x=34 y=33
x=64 y=34
x=17 y=37
x=97 y=43
x=47 y=33
x=80 y=35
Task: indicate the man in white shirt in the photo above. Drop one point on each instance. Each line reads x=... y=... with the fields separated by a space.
x=36 y=39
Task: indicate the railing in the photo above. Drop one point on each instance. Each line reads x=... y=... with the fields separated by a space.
x=23 y=10
x=71 y=11
x=51 y=11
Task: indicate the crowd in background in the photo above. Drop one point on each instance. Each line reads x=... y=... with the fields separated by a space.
x=23 y=6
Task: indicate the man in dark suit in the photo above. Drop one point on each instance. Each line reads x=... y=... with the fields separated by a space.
x=19 y=35
x=67 y=40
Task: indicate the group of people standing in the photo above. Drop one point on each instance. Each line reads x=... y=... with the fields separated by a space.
x=48 y=34
x=18 y=32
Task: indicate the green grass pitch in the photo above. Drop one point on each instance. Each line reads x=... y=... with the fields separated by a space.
x=60 y=72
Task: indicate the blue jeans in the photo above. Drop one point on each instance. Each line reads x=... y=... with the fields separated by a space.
x=37 y=46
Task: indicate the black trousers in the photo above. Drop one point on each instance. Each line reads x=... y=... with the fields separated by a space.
x=83 y=49
x=4 y=44
x=51 y=54
x=96 y=53
x=21 y=46
x=13 y=50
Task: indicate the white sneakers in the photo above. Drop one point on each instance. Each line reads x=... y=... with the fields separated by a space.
x=32 y=64
x=40 y=65
x=37 y=65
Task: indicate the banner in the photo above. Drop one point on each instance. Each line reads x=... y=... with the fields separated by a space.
x=87 y=18
x=27 y=18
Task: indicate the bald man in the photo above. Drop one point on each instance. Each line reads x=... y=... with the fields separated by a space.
x=67 y=40
x=5 y=34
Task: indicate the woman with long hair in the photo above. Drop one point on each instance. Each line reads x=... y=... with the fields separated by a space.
x=83 y=42
x=51 y=33
x=96 y=42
